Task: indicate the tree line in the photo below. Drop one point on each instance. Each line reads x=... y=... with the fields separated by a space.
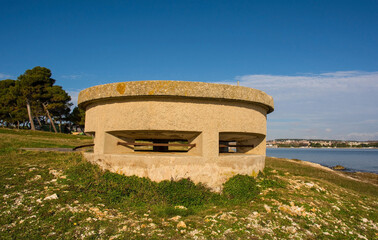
x=34 y=100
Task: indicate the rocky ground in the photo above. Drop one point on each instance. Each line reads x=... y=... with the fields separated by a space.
x=38 y=199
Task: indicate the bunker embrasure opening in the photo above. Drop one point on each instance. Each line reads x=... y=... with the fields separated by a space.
x=160 y=145
x=152 y=141
x=235 y=142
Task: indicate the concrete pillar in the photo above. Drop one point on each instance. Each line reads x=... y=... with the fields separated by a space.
x=99 y=142
x=198 y=149
x=210 y=140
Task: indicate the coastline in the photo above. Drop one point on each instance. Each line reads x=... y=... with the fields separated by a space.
x=367 y=177
x=322 y=147
x=363 y=160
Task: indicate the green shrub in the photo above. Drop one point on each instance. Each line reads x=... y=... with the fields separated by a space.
x=183 y=192
x=119 y=188
x=170 y=211
x=271 y=183
x=240 y=188
x=84 y=174
x=113 y=188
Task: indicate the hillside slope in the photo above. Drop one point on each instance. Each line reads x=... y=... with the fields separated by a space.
x=61 y=196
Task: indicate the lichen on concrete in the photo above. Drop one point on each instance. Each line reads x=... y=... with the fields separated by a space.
x=175 y=88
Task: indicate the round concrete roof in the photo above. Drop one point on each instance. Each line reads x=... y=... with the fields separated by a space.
x=174 y=88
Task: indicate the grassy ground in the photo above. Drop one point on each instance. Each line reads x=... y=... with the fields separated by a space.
x=61 y=196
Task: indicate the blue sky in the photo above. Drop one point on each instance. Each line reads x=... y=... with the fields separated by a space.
x=318 y=59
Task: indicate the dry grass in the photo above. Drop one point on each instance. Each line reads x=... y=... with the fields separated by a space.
x=297 y=201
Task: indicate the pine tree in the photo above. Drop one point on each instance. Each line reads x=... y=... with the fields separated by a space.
x=34 y=84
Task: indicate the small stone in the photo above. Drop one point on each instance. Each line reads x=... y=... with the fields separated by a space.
x=114 y=237
x=180 y=207
x=51 y=197
x=55 y=173
x=267 y=208
x=227 y=217
x=336 y=208
x=224 y=216
x=364 y=220
x=176 y=218
x=37 y=177
x=181 y=224
x=292 y=229
x=338 y=167
x=310 y=185
x=152 y=225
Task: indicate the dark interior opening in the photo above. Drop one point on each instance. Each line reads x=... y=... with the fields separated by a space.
x=226 y=146
x=161 y=145
x=238 y=142
x=129 y=141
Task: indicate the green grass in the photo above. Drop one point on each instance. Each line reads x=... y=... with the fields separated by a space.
x=12 y=140
x=298 y=169
x=289 y=200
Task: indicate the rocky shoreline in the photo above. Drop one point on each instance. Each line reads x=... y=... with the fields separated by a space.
x=368 y=177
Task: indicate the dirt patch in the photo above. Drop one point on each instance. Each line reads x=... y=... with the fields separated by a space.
x=51 y=149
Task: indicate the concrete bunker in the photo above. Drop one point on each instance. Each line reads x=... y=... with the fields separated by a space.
x=175 y=129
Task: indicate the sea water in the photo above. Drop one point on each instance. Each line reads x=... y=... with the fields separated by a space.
x=365 y=160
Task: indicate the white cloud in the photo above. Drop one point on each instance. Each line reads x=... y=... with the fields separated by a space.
x=5 y=76
x=326 y=105
x=346 y=81
x=74 y=96
x=72 y=76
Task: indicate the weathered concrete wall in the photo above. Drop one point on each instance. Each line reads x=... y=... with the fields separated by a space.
x=175 y=89
x=198 y=115
x=202 y=113
x=211 y=171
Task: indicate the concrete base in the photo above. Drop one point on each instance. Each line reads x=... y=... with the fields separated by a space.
x=211 y=172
